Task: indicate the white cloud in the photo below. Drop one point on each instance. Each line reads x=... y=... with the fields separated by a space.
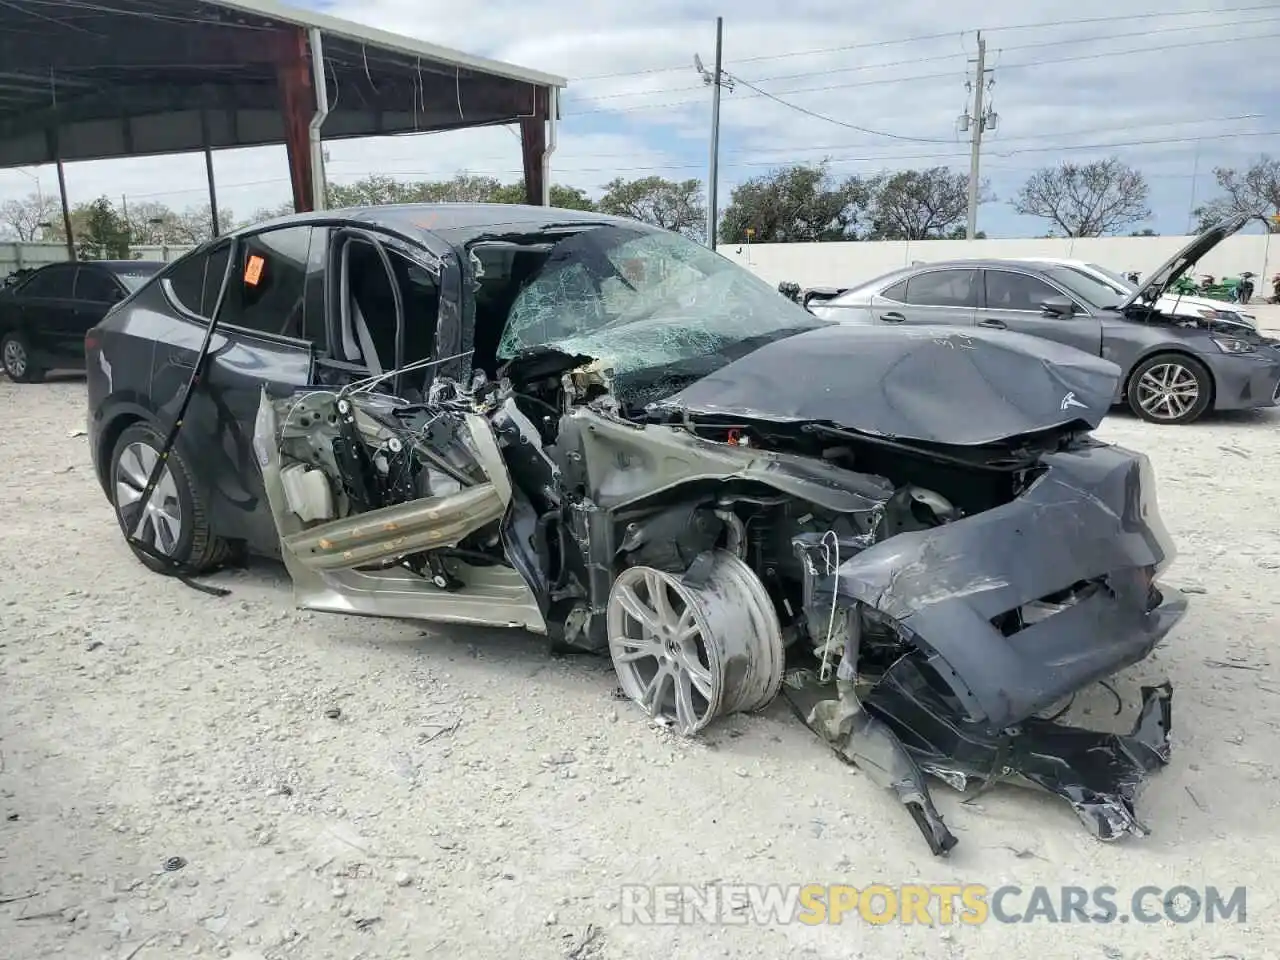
x=1062 y=92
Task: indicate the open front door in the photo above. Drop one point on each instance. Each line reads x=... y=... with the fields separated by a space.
x=390 y=509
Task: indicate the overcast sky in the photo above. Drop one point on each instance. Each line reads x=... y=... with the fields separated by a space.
x=1174 y=95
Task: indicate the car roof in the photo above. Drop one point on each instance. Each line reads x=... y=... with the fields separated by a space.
x=455 y=222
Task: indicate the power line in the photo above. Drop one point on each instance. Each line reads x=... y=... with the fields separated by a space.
x=1039 y=25
x=751 y=163
x=951 y=75
x=951 y=56
x=839 y=123
x=1056 y=136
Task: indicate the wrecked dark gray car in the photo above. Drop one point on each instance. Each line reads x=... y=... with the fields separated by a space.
x=622 y=440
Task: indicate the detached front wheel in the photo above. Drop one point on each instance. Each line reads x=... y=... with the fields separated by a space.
x=1170 y=388
x=174 y=523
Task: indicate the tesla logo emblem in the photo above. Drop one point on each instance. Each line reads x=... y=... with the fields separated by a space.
x=1070 y=401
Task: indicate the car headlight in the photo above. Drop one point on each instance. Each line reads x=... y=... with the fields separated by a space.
x=1232 y=345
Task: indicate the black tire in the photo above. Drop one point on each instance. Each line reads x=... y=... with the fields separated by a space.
x=197 y=549
x=1139 y=396
x=15 y=356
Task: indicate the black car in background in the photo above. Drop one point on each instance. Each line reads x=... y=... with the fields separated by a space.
x=43 y=319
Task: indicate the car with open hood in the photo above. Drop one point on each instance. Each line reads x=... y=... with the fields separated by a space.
x=609 y=435
x=1175 y=366
x=1170 y=304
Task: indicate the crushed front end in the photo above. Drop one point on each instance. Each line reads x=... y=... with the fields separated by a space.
x=943 y=648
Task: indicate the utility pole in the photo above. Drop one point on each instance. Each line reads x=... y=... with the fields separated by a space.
x=977 y=122
x=716 y=81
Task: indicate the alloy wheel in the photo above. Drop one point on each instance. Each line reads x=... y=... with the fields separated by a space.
x=15 y=359
x=1168 y=391
x=687 y=653
x=160 y=524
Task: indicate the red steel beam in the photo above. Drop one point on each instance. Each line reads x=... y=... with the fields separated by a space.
x=297 y=107
x=533 y=143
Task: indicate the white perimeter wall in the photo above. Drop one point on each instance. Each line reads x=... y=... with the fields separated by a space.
x=16 y=255
x=844 y=264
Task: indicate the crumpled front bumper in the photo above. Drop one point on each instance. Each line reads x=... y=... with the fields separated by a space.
x=1005 y=614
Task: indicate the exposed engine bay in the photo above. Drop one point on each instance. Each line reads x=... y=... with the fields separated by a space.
x=721 y=561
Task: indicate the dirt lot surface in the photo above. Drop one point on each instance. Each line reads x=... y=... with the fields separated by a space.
x=477 y=798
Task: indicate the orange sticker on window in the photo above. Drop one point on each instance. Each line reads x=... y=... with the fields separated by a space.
x=253 y=270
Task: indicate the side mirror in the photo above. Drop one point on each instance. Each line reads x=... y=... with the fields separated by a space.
x=1058 y=307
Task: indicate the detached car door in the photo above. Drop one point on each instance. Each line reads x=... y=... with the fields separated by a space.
x=947 y=296
x=1013 y=300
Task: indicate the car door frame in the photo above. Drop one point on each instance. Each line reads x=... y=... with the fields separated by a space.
x=1033 y=322
x=963 y=316
x=225 y=404
x=494 y=596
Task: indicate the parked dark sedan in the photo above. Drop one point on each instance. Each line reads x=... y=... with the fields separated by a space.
x=606 y=433
x=43 y=319
x=1175 y=366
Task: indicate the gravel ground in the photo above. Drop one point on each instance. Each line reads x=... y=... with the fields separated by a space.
x=475 y=797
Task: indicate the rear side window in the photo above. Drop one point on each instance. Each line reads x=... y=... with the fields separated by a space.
x=897 y=292
x=943 y=288
x=196 y=279
x=268 y=287
x=56 y=281
x=92 y=284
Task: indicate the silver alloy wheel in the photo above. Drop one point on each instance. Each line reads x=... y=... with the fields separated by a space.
x=15 y=359
x=160 y=525
x=1168 y=391
x=690 y=652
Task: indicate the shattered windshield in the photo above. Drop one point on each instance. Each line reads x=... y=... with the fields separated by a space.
x=641 y=299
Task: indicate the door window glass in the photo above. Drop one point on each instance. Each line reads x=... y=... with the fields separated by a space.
x=196 y=279
x=55 y=281
x=943 y=288
x=1017 y=291
x=94 y=285
x=267 y=286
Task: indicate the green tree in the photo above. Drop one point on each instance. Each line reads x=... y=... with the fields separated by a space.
x=1086 y=200
x=106 y=234
x=798 y=204
x=1254 y=191
x=670 y=204
x=920 y=204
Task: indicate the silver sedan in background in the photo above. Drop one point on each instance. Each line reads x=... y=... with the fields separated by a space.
x=1175 y=367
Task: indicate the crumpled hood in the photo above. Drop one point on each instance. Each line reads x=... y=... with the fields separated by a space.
x=923 y=383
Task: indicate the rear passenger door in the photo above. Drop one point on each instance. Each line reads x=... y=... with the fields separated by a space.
x=46 y=310
x=96 y=291
x=947 y=296
x=265 y=336
x=1012 y=300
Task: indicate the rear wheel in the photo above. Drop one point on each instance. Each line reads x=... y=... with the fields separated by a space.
x=175 y=521
x=15 y=354
x=1170 y=388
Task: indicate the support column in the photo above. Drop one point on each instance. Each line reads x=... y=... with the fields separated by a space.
x=66 y=212
x=533 y=143
x=208 y=172
x=297 y=104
